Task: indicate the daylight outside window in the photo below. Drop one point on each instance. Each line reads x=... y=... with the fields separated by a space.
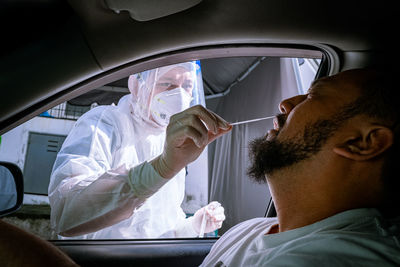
x=238 y=89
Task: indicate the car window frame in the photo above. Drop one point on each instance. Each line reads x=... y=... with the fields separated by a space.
x=329 y=65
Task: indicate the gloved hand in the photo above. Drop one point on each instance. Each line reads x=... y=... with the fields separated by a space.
x=214 y=216
x=188 y=133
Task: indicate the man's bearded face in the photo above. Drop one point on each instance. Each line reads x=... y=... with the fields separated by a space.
x=269 y=155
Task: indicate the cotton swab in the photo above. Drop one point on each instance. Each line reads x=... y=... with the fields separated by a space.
x=248 y=121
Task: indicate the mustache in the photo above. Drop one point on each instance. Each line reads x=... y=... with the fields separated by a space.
x=281 y=119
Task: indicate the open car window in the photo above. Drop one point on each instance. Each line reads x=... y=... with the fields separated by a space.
x=238 y=89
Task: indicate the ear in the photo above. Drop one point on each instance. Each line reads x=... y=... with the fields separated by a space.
x=367 y=144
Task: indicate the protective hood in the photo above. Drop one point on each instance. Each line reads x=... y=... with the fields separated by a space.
x=143 y=89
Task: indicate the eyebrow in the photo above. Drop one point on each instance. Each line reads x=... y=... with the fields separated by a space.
x=314 y=84
x=311 y=87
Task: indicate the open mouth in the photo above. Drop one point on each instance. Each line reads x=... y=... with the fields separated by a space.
x=276 y=124
x=278 y=121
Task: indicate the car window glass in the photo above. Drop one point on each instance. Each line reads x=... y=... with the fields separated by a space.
x=237 y=88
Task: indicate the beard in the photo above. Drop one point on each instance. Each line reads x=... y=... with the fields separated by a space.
x=269 y=156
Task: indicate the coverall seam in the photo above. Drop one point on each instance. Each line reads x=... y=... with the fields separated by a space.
x=95 y=133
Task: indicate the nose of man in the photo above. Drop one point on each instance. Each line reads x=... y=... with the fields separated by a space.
x=288 y=104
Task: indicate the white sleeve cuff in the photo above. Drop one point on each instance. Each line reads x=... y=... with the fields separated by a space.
x=144 y=180
x=185 y=229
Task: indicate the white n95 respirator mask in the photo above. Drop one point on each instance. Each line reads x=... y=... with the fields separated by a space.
x=168 y=103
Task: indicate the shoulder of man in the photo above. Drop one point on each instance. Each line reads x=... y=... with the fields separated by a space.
x=243 y=229
x=338 y=248
x=253 y=224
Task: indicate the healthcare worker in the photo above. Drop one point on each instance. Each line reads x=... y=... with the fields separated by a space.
x=120 y=172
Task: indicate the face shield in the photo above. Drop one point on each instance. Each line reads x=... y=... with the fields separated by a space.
x=158 y=94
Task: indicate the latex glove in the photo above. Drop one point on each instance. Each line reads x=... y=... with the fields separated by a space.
x=213 y=215
x=188 y=133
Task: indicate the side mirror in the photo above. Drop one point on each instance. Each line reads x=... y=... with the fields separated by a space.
x=11 y=188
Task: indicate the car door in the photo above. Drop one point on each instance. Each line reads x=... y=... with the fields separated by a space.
x=240 y=88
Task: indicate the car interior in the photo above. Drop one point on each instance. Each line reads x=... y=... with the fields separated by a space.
x=59 y=59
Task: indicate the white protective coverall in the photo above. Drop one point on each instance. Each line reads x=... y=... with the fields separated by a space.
x=103 y=167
